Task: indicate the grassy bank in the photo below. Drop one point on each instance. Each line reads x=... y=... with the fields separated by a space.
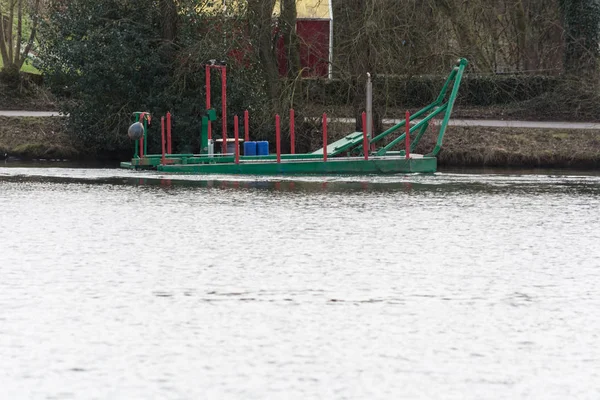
x=35 y=138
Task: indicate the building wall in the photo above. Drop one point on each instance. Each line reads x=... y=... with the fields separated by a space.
x=313 y=38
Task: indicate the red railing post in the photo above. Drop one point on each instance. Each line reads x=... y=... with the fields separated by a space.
x=142 y=146
x=365 y=138
x=162 y=138
x=224 y=103
x=278 y=137
x=407 y=138
x=292 y=132
x=169 y=148
x=246 y=126
x=325 y=137
x=208 y=99
x=236 y=135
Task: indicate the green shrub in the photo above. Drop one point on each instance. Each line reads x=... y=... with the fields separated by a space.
x=476 y=90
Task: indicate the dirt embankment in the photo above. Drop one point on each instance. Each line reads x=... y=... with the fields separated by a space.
x=507 y=147
x=518 y=147
x=46 y=138
x=35 y=138
x=27 y=96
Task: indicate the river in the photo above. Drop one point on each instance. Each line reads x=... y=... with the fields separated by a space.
x=127 y=285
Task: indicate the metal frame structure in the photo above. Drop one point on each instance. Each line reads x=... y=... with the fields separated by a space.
x=439 y=106
x=353 y=154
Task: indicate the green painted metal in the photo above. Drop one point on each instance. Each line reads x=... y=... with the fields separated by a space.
x=401 y=124
x=169 y=155
x=334 y=166
x=415 y=142
x=284 y=157
x=204 y=136
x=210 y=115
x=429 y=112
x=342 y=145
x=385 y=161
x=459 y=74
x=418 y=125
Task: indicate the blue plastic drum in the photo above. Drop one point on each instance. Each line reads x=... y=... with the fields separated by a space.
x=262 y=148
x=249 y=148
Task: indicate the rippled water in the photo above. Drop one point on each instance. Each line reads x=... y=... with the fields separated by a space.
x=124 y=285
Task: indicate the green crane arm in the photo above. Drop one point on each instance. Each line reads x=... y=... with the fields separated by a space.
x=427 y=113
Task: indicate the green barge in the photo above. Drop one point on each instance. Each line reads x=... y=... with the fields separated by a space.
x=356 y=154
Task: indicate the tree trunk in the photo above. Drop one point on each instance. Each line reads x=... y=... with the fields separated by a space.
x=169 y=21
x=3 y=37
x=289 y=15
x=11 y=21
x=360 y=25
x=521 y=30
x=36 y=19
x=17 y=59
x=261 y=35
x=581 y=20
x=465 y=34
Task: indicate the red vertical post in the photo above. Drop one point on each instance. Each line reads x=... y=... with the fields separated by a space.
x=162 y=138
x=325 y=137
x=208 y=99
x=169 y=148
x=278 y=137
x=142 y=146
x=224 y=104
x=246 y=126
x=365 y=138
x=407 y=138
x=292 y=132
x=236 y=133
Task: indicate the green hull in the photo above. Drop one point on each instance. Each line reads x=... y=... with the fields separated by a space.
x=333 y=166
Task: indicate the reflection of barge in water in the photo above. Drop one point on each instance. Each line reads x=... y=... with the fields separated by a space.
x=354 y=154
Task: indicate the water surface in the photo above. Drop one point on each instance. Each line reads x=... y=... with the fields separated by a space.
x=128 y=285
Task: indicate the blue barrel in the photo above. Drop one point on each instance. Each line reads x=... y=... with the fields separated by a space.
x=249 y=148
x=262 y=148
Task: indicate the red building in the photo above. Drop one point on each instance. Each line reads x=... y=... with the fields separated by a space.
x=314 y=29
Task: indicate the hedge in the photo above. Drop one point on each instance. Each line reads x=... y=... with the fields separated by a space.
x=476 y=90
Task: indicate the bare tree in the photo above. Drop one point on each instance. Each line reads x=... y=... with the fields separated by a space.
x=260 y=23
x=11 y=36
x=287 y=25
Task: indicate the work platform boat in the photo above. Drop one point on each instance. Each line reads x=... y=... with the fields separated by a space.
x=355 y=154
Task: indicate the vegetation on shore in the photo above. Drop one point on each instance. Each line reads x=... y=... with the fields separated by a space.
x=473 y=147
x=30 y=95
x=112 y=65
x=519 y=147
x=534 y=59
